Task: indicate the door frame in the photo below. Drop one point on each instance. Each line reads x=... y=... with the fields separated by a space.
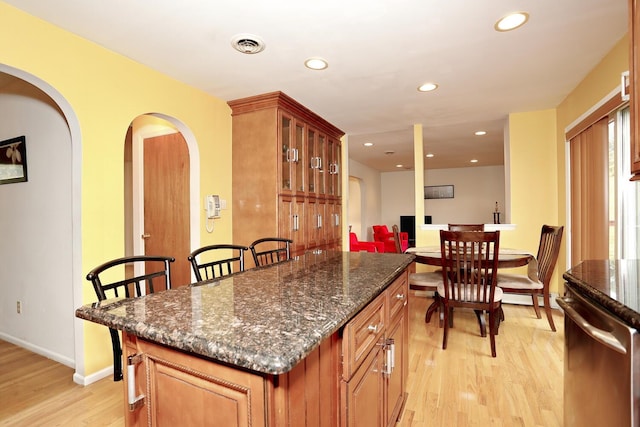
x=137 y=142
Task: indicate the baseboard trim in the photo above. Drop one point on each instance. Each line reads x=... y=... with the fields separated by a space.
x=39 y=350
x=96 y=376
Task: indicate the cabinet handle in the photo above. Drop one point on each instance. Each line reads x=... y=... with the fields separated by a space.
x=146 y=236
x=134 y=401
x=296 y=157
x=372 y=328
x=296 y=223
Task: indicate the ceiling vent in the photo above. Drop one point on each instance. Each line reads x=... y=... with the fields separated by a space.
x=247 y=43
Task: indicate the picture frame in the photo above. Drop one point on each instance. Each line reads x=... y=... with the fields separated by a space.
x=13 y=160
x=438 y=192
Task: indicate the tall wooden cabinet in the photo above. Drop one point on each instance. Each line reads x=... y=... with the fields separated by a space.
x=286 y=173
x=634 y=88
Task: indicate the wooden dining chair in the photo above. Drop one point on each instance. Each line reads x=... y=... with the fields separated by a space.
x=270 y=250
x=548 y=251
x=469 y=276
x=156 y=277
x=211 y=269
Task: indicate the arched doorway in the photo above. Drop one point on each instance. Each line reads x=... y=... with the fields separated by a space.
x=158 y=194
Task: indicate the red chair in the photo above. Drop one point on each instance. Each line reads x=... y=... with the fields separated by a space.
x=356 y=246
x=382 y=234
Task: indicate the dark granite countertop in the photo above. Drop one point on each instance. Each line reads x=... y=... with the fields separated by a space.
x=265 y=319
x=614 y=285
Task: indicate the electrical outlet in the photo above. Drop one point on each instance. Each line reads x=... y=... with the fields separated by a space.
x=19 y=307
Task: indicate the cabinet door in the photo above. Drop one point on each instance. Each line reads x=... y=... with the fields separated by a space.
x=334 y=153
x=363 y=395
x=291 y=222
x=395 y=367
x=300 y=164
x=287 y=153
x=180 y=389
x=321 y=170
x=312 y=161
x=292 y=154
x=316 y=220
x=634 y=90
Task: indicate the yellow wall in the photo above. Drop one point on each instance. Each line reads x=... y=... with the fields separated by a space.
x=107 y=91
x=533 y=176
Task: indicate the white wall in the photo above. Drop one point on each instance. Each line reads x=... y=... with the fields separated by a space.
x=476 y=190
x=370 y=191
x=35 y=228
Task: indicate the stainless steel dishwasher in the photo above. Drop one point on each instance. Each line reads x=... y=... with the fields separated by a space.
x=601 y=366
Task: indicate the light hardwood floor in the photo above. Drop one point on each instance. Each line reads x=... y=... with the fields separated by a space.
x=460 y=386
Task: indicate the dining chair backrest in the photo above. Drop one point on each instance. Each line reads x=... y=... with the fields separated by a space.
x=117 y=278
x=548 y=251
x=469 y=265
x=465 y=227
x=396 y=238
x=211 y=269
x=270 y=250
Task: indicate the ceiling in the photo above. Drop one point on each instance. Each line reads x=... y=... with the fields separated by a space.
x=378 y=51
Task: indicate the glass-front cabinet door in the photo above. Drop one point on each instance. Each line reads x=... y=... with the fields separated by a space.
x=316 y=159
x=300 y=163
x=311 y=161
x=322 y=157
x=292 y=154
x=333 y=180
x=288 y=153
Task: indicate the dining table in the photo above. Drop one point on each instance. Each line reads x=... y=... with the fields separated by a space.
x=507 y=258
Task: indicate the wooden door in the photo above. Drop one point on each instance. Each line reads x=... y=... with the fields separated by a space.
x=166 y=202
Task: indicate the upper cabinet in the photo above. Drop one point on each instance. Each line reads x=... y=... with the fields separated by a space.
x=634 y=90
x=286 y=173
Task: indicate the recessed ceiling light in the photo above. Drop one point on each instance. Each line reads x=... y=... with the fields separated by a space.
x=368 y=144
x=430 y=155
x=316 y=64
x=399 y=166
x=481 y=132
x=474 y=160
x=428 y=87
x=511 y=21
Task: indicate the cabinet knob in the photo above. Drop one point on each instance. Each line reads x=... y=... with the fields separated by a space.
x=146 y=236
x=400 y=296
x=373 y=328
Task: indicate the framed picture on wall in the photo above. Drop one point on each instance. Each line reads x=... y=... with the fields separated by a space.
x=13 y=160
x=438 y=192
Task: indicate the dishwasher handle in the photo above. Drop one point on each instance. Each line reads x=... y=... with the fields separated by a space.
x=599 y=335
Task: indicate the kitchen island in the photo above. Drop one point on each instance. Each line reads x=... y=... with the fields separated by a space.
x=319 y=340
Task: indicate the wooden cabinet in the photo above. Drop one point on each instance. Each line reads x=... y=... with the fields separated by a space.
x=375 y=355
x=284 y=153
x=634 y=87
